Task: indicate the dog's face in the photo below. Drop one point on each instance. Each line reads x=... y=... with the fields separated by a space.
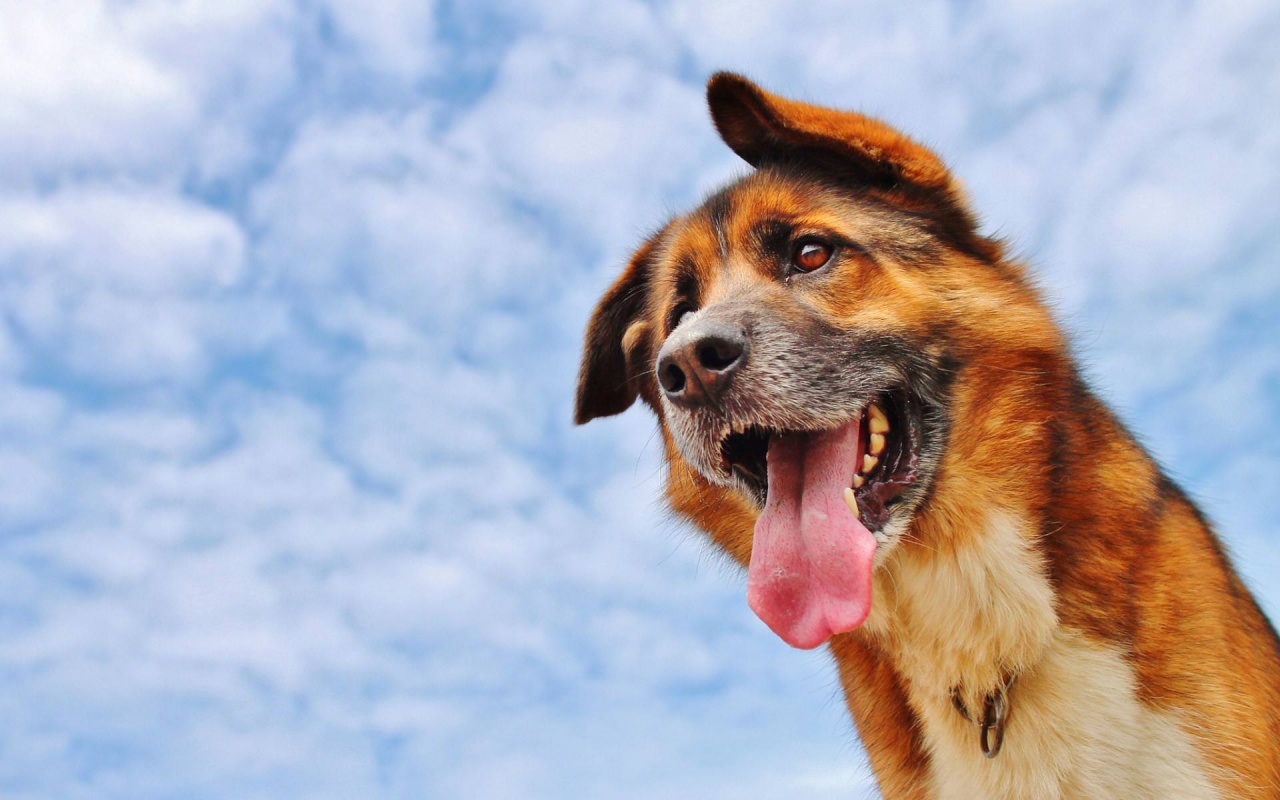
x=798 y=336
x=789 y=305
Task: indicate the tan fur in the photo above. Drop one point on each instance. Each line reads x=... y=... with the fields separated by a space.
x=1078 y=729
x=1050 y=552
x=966 y=616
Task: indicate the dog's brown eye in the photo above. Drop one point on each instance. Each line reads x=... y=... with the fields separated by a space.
x=811 y=255
x=677 y=315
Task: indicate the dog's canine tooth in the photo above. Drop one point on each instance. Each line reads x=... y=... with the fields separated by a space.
x=869 y=462
x=877 y=421
x=876 y=444
x=852 y=502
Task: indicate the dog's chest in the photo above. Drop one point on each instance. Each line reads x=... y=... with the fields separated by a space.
x=1075 y=727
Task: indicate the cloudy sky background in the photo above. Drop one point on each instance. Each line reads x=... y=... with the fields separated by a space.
x=291 y=300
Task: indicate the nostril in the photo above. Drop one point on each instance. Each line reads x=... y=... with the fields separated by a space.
x=672 y=378
x=718 y=354
x=697 y=363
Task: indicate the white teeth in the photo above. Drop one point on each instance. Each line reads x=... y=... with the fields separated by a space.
x=851 y=502
x=869 y=462
x=876 y=444
x=858 y=480
x=877 y=421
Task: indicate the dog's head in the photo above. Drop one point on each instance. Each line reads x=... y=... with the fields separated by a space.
x=798 y=336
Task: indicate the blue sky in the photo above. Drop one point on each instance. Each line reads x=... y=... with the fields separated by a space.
x=292 y=295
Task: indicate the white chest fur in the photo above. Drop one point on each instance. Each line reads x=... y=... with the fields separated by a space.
x=1076 y=728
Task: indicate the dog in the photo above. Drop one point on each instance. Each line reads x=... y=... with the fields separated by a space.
x=865 y=402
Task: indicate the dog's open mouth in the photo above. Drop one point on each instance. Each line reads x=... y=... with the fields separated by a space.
x=824 y=495
x=889 y=436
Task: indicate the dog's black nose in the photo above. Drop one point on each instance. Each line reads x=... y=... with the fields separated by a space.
x=697 y=363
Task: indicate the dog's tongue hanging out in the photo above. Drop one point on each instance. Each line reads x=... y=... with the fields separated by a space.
x=810 y=572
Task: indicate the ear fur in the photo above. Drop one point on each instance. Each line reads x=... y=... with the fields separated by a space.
x=763 y=127
x=616 y=337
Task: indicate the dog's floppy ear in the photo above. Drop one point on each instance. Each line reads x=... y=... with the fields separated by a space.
x=764 y=128
x=617 y=338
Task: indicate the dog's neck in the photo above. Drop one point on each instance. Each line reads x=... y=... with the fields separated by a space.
x=966 y=614
x=964 y=599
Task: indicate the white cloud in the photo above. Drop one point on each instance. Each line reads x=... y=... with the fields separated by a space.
x=74 y=92
x=381 y=209
x=236 y=60
x=600 y=141
x=138 y=242
x=122 y=284
x=292 y=505
x=145 y=88
x=396 y=37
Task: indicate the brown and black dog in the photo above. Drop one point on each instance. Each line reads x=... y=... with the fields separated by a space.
x=867 y=404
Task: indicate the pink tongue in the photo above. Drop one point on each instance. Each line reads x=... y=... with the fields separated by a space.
x=810 y=572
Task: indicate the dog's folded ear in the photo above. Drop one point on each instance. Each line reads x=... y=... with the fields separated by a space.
x=764 y=128
x=617 y=341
